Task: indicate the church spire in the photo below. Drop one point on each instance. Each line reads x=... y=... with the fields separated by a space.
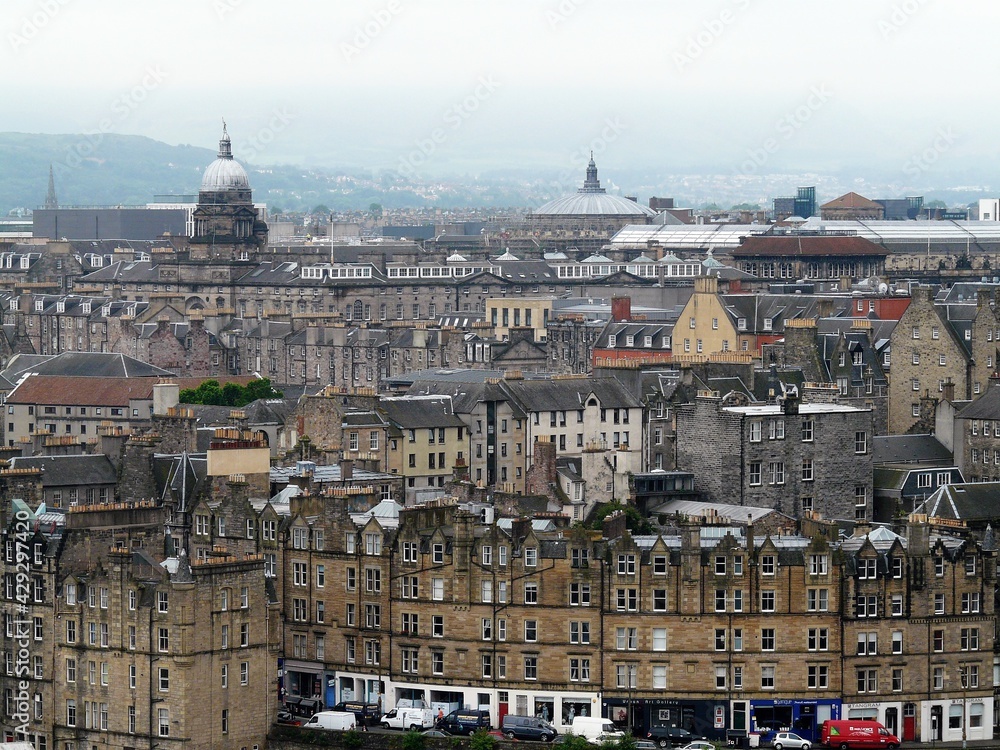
x=50 y=197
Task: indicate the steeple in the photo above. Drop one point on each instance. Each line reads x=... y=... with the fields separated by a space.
x=591 y=184
x=50 y=197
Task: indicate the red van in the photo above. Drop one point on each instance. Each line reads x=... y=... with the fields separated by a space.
x=848 y=734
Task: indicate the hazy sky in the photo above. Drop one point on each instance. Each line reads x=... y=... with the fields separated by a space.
x=453 y=86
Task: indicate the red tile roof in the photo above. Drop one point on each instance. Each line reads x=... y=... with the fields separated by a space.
x=852 y=200
x=807 y=246
x=60 y=390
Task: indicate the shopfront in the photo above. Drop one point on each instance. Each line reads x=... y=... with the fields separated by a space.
x=956 y=719
x=804 y=717
x=704 y=718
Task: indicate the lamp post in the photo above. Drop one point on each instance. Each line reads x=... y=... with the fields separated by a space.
x=963 y=675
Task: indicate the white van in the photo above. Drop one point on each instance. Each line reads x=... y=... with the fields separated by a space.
x=408 y=718
x=595 y=729
x=341 y=720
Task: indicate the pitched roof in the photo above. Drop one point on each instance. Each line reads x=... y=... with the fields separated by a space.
x=74 y=391
x=420 y=411
x=570 y=393
x=912 y=449
x=979 y=501
x=986 y=406
x=807 y=245
x=852 y=200
x=60 y=471
x=97 y=365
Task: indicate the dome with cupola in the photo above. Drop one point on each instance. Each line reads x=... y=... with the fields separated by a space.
x=225 y=173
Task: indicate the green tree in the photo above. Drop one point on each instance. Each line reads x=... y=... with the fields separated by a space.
x=375 y=209
x=575 y=742
x=413 y=741
x=482 y=740
x=634 y=521
x=231 y=394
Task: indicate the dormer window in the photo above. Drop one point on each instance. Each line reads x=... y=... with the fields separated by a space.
x=39 y=305
x=60 y=306
x=741 y=324
x=767 y=324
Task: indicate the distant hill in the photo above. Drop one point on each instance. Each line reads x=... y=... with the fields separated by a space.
x=110 y=169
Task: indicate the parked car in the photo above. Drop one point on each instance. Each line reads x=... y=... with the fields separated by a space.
x=698 y=745
x=527 y=728
x=790 y=740
x=339 y=720
x=465 y=721
x=364 y=713
x=645 y=745
x=671 y=736
x=289 y=719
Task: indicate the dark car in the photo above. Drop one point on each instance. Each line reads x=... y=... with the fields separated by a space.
x=464 y=722
x=364 y=713
x=289 y=719
x=527 y=728
x=671 y=736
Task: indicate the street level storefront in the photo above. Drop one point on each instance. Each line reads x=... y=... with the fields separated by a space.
x=804 y=717
x=897 y=717
x=301 y=686
x=956 y=719
x=704 y=718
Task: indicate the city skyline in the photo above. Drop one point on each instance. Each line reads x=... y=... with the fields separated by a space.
x=738 y=88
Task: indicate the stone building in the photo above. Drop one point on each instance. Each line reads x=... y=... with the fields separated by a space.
x=939 y=342
x=792 y=456
x=713 y=629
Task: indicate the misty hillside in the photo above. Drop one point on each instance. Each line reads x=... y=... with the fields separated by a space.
x=110 y=169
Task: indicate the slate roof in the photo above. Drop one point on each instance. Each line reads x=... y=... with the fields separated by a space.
x=61 y=471
x=411 y=412
x=97 y=365
x=852 y=200
x=978 y=501
x=987 y=406
x=564 y=394
x=896 y=449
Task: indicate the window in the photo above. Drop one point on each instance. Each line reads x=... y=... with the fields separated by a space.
x=626 y=639
x=626 y=565
x=530 y=592
x=807 y=430
x=659 y=639
x=939 y=604
x=755 y=431
x=767 y=677
x=767 y=565
x=754 y=473
x=970 y=639
x=970 y=602
x=437 y=554
x=162 y=602
x=531 y=667
x=163 y=722
x=530 y=557
x=818 y=639
x=897 y=641
x=817 y=600
x=807 y=470
x=625 y=675
x=818 y=677
x=767 y=639
x=245 y=667
x=867 y=644
x=530 y=631
x=579 y=594
x=818 y=565
x=867 y=680
x=861 y=442
x=767 y=600
x=579 y=632
x=866 y=606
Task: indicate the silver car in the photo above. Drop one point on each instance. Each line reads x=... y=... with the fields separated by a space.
x=790 y=740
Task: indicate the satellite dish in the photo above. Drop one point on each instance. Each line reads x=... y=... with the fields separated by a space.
x=883 y=288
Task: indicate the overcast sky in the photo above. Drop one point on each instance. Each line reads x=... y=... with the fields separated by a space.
x=467 y=86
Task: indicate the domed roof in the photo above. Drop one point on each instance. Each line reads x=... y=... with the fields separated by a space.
x=225 y=173
x=593 y=200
